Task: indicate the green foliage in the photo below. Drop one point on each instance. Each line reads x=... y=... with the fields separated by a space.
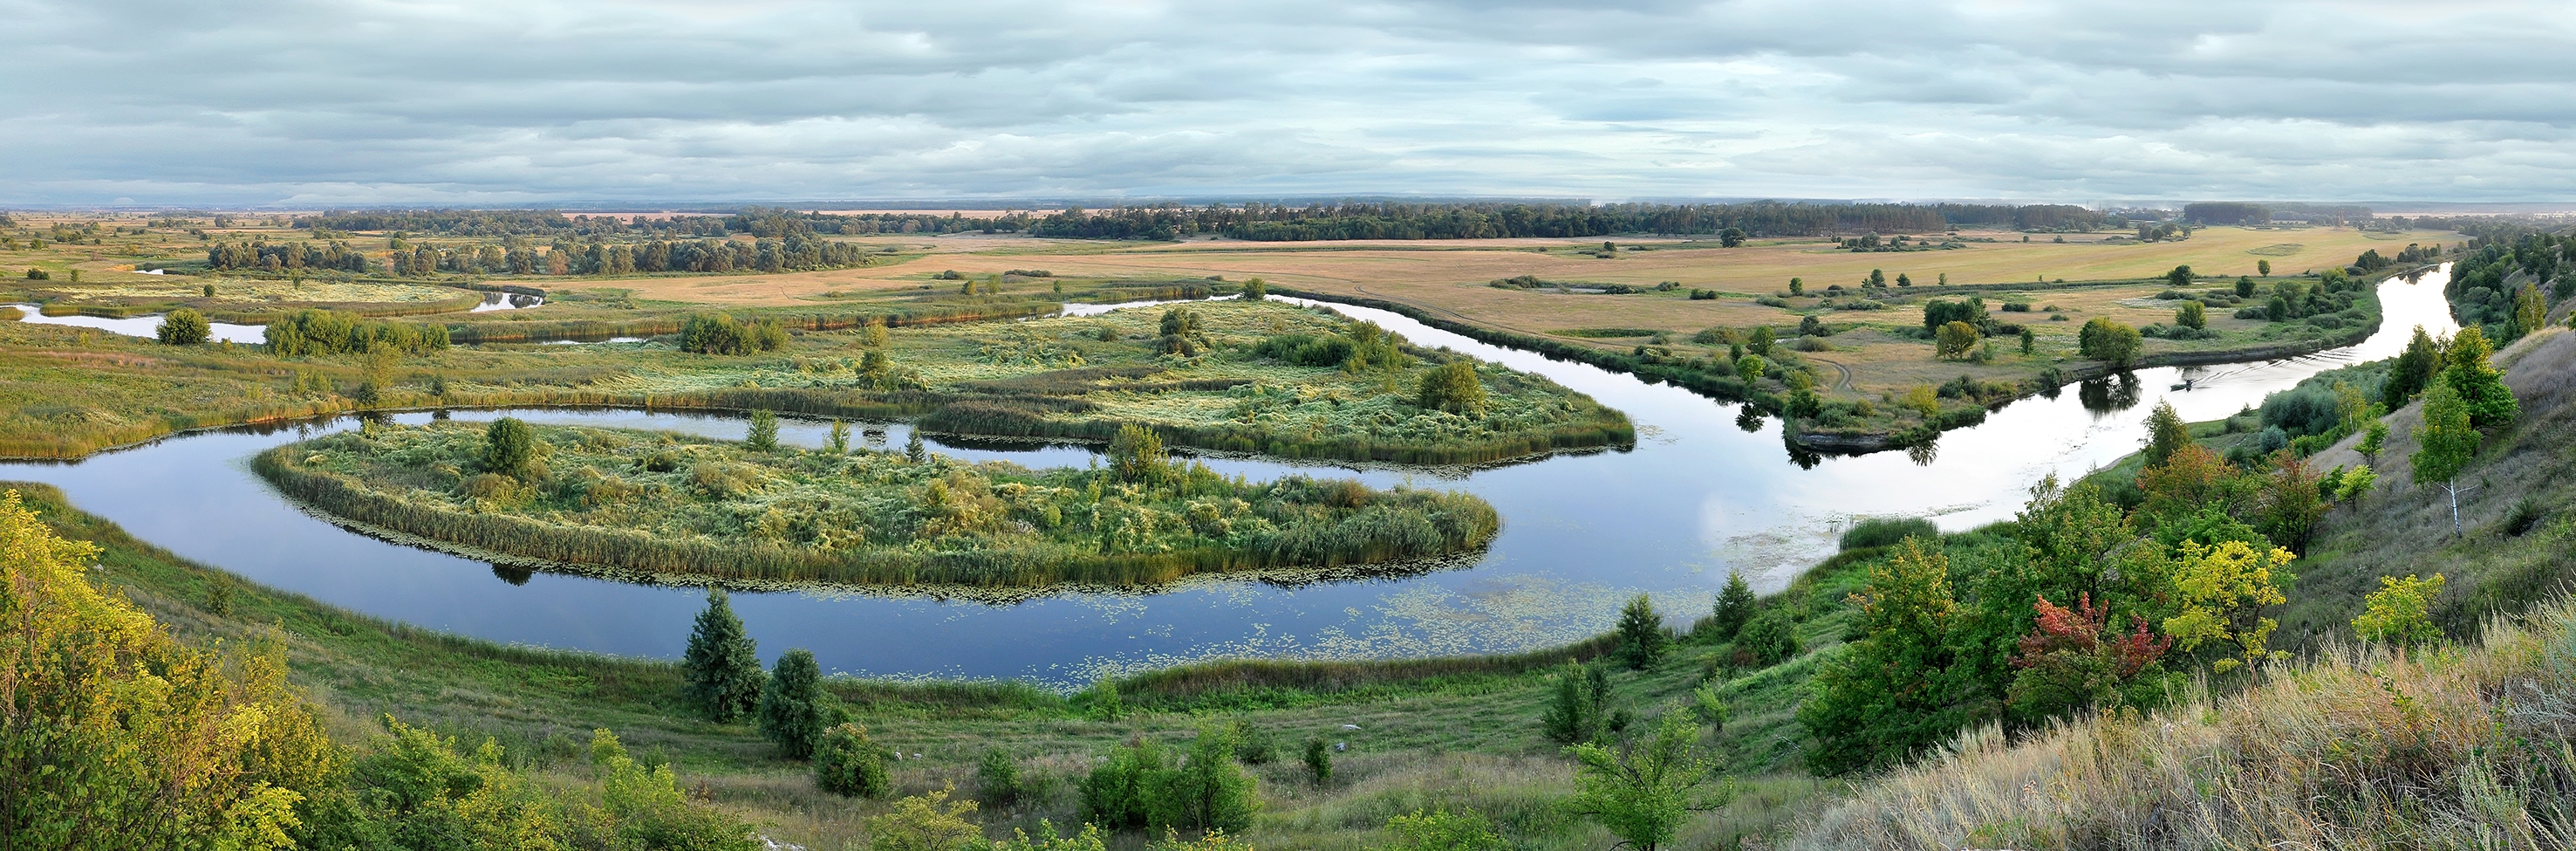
x=1642 y=639
x=2180 y=276
x=763 y=436
x=1255 y=289
x=2356 y=483
x=997 y=778
x=1141 y=785
x=1895 y=690
x=2480 y=385
x=1734 y=607
x=922 y=823
x=722 y=664
x=718 y=334
x=1118 y=793
x=2245 y=286
x=848 y=764
x=1441 y=830
x=1137 y=454
x=2105 y=340
x=839 y=440
x=1955 y=340
x=1751 y=367
x=1578 y=710
x=509 y=446
x=183 y=327
x=1047 y=840
x=1453 y=388
x=1642 y=793
x=1318 y=757
x=2447 y=440
x=2413 y=371
x=2192 y=315
x=1768 y=639
x=2166 y=434
x=2400 y=612
x=1939 y=313
x=2374 y=438
x=328 y=332
x=792 y=714
x=1887 y=531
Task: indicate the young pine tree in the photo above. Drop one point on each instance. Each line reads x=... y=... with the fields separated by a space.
x=764 y=432
x=1641 y=634
x=722 y=666
x=1734 y=607
x=792 y=714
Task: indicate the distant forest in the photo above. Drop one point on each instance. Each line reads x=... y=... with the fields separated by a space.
x=1265 y=222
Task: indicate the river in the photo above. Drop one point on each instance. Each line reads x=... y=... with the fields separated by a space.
x=1705 y=491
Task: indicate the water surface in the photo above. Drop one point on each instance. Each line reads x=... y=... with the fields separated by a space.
x=1706 y=490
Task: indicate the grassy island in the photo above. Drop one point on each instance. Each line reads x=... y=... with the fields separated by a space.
x=752 y=511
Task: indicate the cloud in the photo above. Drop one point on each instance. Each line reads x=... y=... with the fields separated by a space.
x=468 y=101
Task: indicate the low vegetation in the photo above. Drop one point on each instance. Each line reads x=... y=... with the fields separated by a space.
x=669 y=504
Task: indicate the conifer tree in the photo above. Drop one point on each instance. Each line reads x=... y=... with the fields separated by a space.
x=792 y=715
x=1641 y=634
x=1734 y=606
x=722 y=666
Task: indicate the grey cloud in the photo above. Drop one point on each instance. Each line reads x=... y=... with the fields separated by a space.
x=473 y=101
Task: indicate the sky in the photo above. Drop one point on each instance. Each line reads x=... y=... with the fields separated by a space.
x=439 y=102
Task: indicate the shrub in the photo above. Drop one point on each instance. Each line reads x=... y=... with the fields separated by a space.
x=508 y=446
x=1118 y=792
x=1955 y=339
x=1137 y=454
x=1734 y=607
x=997 y=777
x=763 y=436
x=1887 y=531
x=2192 y=315
x=1207 y=792
x=846 y=763
x=2106 y=340
x=1767 y=640
x=718 y=334
x=921 y=823
x=791 y=704
x=1442 y=831
x=183 y=327
x=1319 y=760
x=1453 y=387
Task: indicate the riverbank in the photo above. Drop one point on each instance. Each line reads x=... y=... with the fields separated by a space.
x=71 y=392
x=1833 y=359
x=672 y=506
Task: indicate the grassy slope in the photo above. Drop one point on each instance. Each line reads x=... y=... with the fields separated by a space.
x=1456 y=732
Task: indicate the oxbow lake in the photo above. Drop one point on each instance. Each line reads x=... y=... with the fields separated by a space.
x=1705 y=491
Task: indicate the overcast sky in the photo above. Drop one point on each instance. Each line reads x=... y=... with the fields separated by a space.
x=529 y=101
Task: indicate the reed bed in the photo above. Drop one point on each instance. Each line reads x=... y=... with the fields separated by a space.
x=667 y=505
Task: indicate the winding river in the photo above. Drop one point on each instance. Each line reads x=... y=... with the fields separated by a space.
x=1706 y=490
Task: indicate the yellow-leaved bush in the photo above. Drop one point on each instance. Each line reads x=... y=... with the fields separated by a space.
x=115 y=735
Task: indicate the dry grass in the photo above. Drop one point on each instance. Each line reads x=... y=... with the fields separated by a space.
x=2366 y=748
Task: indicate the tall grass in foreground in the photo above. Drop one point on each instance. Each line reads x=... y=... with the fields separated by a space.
x=2364 y=748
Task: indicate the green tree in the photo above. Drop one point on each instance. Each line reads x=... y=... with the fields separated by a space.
x=2180 y=276
x=1209 y=791
x=839 y=442
x=2400 y=612
x=509 y=446
x=1955 y=340
x=1730 y=238
x=2105 y=340
x=2029 y=341
x=874 y=335
x=792 y=713
x=1734 y=607
x=2166 y=434
x=2356 y=483
x=2292 y=502
x=1453 y=387
x=2374 y=437
x=2481 y=387
x=2192 y=315
x=2263 y=268
x=1797 y=286
x=1761 y=341
x=1641 y=634
x=183 y=327
x=1318 y=757
x=913 y=450
x=848 y=764
x=1897 y=689
x=1256 y=290
x=1642 y=793
x=1137 y=454
x=1578 y=706
x=1751 y=367
x=2244 y=287
x=2444 y=445
x=722 y=666
x=2412 y=372
x=2530 y=310
x=763 y=436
